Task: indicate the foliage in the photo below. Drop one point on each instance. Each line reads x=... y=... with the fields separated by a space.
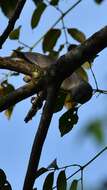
x=51 y=46
x=5 y=89
x=14 y=35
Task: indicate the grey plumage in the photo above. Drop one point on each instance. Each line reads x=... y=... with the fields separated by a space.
x=80 y=90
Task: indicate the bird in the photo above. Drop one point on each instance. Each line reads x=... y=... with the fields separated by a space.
x=76 y=85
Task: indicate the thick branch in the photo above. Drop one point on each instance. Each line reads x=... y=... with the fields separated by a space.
x=12 y=21
x=71 y=61
x=40 y=138
x=20 y=94
x=14 y=65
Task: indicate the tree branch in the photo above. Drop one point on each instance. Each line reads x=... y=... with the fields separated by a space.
x=20 y=94
x=65 y=66
x=40 y=137
x=71 y=61
x=12 y=21
x=15 y=65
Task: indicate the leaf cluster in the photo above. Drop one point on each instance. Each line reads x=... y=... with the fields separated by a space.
x=60 y=180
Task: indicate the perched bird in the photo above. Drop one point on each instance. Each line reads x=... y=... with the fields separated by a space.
x=79 y=90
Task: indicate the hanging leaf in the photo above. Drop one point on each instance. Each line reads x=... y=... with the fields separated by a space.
x=14 y=35
x=9 y=111
x=60 y=101
x=2 y=178
x=37 y=14
x=67 y=121
x=8 y=7
x=54 y=2
x=77 y=34
x=74 y=185
x=48 y=183
x=50 y=39
x=61 y=181
x=5 y=89
x=41 y=171
x=53 y=164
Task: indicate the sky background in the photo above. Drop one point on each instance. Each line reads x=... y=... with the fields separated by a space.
x=16 y=137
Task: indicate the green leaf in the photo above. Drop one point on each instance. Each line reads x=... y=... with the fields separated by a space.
x=54 y=2
x=74 y=185
x=77 y=34
x=61 y=181
x=8 y=7
x=48 y=183
x=41 y=171
x=5 y=89
x=50 y=39
x=14 y=35
x=95 y=129
x=53 y=164
x=67 y=121
x=2 y=178
x=37 y=14
x=9 y=111
x=60 y=101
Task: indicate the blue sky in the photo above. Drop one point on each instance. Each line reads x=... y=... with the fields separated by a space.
x=16 y=137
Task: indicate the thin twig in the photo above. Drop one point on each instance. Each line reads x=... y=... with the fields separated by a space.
x=100 y=91
x=64 y=28
x=89 y=162
x=12 y=21
x=24 y=45
x=85 y=165
x=82 y=184
x=56 y=22
x=93 y=76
